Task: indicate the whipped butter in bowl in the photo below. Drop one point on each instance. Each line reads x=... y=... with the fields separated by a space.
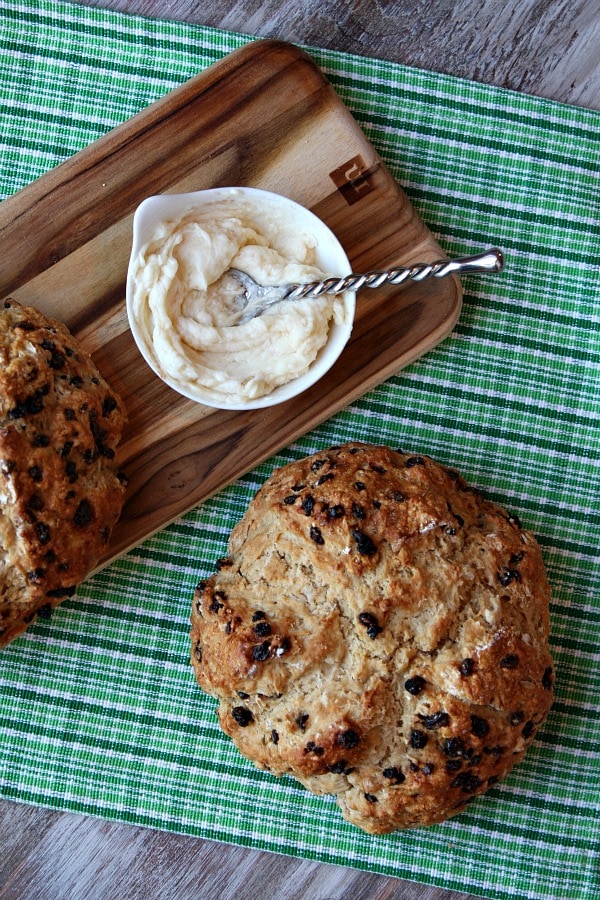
x=182 y=311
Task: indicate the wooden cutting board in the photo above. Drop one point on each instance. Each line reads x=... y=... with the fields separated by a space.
x=267 y=117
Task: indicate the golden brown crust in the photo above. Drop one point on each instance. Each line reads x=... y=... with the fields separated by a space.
x=380 y=632
x=60 y=493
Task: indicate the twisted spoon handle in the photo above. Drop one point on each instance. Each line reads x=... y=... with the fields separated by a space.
x=489 y=261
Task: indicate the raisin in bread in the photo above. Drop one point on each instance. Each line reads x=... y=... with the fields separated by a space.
x=60 y=492
x=379 y=631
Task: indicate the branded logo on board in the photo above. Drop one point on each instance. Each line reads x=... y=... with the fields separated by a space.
x=352 y=179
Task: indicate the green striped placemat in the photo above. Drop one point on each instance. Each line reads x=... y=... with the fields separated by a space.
x=99 y=711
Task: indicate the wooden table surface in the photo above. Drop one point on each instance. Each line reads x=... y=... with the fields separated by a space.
x=548 y=49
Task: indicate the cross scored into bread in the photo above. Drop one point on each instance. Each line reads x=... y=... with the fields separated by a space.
x=379 y=631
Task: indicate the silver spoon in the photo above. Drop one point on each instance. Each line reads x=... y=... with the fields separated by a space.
x=256 y=298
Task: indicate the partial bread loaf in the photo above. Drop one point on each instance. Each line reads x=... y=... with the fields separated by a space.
x=380 y=632
x=60 y=493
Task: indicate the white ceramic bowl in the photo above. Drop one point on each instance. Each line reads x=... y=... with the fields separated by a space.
x=330 y=259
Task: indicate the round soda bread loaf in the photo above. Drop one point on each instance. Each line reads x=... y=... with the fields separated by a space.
x=379 y=631
x=60 y=493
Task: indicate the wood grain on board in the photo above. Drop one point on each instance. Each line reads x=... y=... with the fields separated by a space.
x=267 y=117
